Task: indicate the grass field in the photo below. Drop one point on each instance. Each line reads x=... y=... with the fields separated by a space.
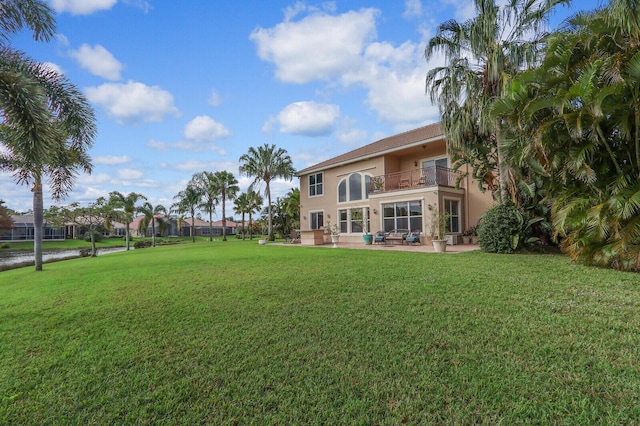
x=237 y=333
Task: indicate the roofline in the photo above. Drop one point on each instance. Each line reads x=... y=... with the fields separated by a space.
x=372 y=155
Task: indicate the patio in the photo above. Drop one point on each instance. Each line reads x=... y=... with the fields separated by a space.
x=424 y=248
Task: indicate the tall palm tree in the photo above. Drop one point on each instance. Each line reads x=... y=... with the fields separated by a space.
x=205 y=183
x=255 y=204
x=264 y=164
x=241 y=207
x=482 y=54
x=151 y=216
x=47 y=124
x=575 y=122
x=188 y=201
x=227 y=186
x=128 y=205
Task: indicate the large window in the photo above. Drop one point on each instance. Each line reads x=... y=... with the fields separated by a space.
x=439 y=162
x=355 y=187
x=353 y=220
x=452 y=206
x=316 y=220
x=404 y=215
x=315 y=185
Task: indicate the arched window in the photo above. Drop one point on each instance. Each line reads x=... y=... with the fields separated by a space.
x=355 y=187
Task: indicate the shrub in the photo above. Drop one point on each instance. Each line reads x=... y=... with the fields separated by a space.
x=500 y=229
x=97 y=236
x=142 y=244
x=5 y=245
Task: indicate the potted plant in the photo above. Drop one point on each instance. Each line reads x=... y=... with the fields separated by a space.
x=466 y=236
x=473 y=232
x=366 y=236
x=334 y=230
x=378 y=183
x=439 y=223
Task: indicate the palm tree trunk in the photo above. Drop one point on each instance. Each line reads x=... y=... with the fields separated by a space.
x=38 y=221
x=193 y=226
x=224 y=218
x=127 y=236
x=243 y=226
x=250 y=227
x=153 y=231
x=270 y=236
x=94 y=252
x=210 y=225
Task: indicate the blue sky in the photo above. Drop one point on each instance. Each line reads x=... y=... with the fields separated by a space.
x=183 y=87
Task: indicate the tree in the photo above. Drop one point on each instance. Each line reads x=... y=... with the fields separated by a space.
x=128 y=205
x=574 y=121
x=241 y=207
x=47 y=124
x=150 y=216
x=188 y=201
x=264 y=164
x=205 y=183
x=92 y=217
x=227 y=186
x=482 y=54
x=6 y=222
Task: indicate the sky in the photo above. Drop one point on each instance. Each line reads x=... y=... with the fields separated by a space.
x=181 y=87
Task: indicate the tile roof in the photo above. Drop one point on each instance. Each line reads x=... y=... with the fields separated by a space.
x=391 y=143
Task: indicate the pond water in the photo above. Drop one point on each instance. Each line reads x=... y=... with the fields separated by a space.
x=14 y=257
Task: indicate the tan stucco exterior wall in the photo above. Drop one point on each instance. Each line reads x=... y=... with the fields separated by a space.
x=473 y=202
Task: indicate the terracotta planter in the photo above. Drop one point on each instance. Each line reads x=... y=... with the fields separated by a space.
x=466 y=239
x=439 y=246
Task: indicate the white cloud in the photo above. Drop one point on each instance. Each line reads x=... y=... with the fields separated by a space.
x=413 y=9
x=111 y=160
x=82 y=7
x=464 y=9
x=214 y=99
x=54 y=67
x=336 y=42
x=201 y=134
x=129 y=174
x=205 y=129
x=143 y=5
x=352 y=136
x=158 y=145
x=98 y=61
x=133 y=102
x=308 y=118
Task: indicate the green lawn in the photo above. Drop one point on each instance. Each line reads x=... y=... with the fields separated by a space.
x=237 y=333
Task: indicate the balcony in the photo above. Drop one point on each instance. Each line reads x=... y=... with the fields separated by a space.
x=416 y=178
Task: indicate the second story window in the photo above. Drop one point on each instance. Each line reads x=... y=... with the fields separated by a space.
x=353 y=188
x=315 y=185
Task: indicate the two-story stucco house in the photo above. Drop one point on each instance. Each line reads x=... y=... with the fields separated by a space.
x=395 y=183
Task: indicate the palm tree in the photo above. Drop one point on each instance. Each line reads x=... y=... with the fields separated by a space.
x=47 y=123
x=227 y=186
x=241 y=207
x=482 y=54
x=205 y=183
x=151 y=215
x=265 y=164
x=128 y=205
x=188 y=201
x=255 y=203
x=575 y=122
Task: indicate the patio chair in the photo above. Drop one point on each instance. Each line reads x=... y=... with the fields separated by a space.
x=413 y=238
x=379 y=237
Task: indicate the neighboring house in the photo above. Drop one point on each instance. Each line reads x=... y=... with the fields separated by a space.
x=201 y=228
x=23 y=230
x=398 y=182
